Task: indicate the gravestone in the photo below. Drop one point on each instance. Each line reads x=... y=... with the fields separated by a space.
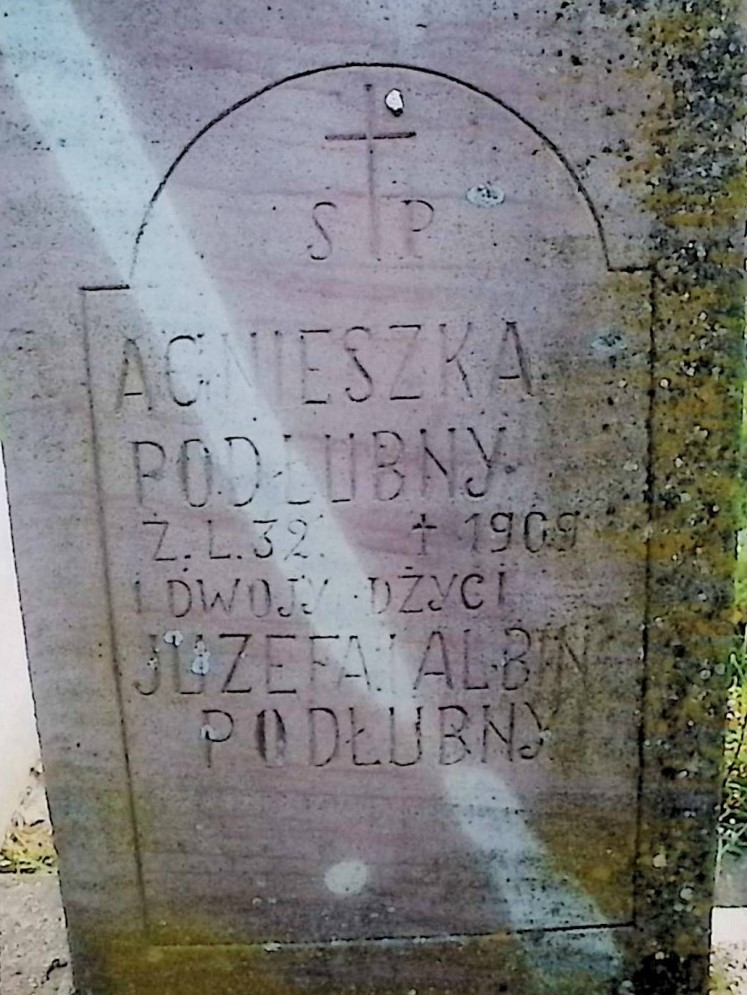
x=387 y=530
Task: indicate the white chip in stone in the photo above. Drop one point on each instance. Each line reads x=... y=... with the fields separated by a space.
x=395 y=102
x=349 y=877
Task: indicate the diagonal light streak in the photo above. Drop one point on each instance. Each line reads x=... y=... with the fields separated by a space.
x=75 y=105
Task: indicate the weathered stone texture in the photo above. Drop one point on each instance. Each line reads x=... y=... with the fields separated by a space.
x=372 y=390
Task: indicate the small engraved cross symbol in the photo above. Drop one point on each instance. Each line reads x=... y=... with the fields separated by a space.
x=371 y=137
x=423 y=527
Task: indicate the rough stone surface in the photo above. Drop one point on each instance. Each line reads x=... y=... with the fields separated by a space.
x=35 y=956
x=371 y=442
x=34 y=953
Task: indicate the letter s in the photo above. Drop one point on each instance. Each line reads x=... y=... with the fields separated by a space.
x=326 y=251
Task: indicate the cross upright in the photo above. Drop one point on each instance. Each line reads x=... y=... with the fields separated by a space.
x=371 y=137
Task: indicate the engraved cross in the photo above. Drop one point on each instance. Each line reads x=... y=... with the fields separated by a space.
x=371 y=137
x=423 y=527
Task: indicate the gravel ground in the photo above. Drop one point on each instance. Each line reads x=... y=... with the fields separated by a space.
x=730 y=951
x=33 y=944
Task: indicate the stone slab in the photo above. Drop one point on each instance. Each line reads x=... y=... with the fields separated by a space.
x=371 y=452
x=347 y=547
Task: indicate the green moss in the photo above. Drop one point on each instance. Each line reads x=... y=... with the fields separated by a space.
x=482 y=966
x=692 y=183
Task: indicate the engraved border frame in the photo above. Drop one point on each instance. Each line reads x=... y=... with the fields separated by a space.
x=85 y=291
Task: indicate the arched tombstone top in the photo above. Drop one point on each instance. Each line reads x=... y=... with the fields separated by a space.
x=479 y=150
